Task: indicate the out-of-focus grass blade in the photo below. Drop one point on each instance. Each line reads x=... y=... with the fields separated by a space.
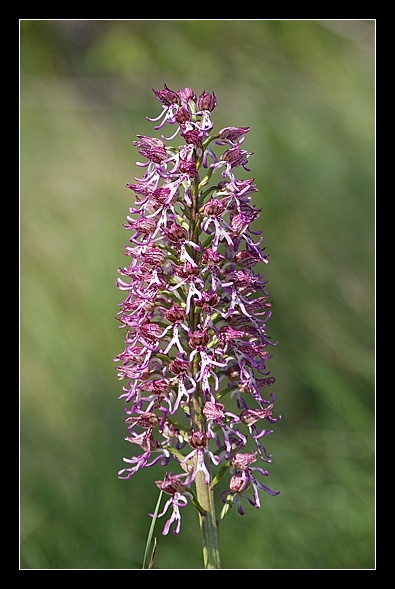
x=151 y=562
x=150 y=535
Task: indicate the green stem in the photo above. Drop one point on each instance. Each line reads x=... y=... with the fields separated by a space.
x=204 y=494
x=208 y=525
x=205 y=497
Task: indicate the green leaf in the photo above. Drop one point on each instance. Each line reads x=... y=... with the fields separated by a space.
x=221 y=473
x=208 y=241
x=224 y=392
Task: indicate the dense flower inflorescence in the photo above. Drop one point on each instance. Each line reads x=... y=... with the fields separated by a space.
x=195 y=310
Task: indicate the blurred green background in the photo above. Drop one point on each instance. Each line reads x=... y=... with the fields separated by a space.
x=306 y=88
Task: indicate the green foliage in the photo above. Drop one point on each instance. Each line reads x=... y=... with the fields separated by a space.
x=306 y=90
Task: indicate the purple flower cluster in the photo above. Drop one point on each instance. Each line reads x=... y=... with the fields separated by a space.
x=195 y=310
